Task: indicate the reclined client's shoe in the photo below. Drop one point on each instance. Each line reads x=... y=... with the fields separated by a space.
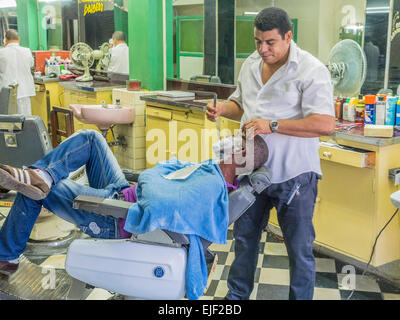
x=8 y=268
x=24 y=181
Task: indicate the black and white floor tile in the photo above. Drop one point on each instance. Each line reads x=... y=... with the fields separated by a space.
x=272 y=275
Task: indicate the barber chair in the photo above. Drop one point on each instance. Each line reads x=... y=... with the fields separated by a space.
x=150 y=265
x=8 y=99
x=23 y=141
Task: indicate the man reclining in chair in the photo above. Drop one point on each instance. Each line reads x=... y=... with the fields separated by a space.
x=46 y=184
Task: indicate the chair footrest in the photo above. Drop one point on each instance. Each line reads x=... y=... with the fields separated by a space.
x=105 y=207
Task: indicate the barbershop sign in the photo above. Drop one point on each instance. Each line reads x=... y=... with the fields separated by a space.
x=92 y=6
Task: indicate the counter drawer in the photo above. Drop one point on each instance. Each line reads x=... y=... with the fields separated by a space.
x=352 y=157
x=159 y=113
x=188 y=116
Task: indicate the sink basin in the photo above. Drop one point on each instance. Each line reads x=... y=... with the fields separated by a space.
x=103 y=117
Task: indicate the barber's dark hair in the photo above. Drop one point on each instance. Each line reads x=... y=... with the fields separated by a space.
x=273 y=18
x=260 y=152
x=11 y=35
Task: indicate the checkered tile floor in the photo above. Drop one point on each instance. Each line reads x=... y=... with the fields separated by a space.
x=272 y=275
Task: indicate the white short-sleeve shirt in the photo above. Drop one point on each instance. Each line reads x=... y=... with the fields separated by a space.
x=300 y=88
x=15 y=67
x=119 y=62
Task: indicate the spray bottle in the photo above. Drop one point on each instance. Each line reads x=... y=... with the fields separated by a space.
x=359 y=108
x=391 y=111
x=380 y=111
x=369 y=110
x=352 y=112
x=345 y=112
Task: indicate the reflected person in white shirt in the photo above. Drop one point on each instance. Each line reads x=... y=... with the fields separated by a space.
x=16 y=63
x=285 y=95
x=119 y=62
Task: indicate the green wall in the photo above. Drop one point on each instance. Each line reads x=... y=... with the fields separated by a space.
x=27 y=12
x=121 y=19
x=145 y=28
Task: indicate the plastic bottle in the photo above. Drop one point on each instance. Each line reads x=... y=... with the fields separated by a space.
x=46 y=67
x=359 y=110
x=397 y=123
x=369 y=110
x=390 y=115
x=380 y=111
x=345 y=112
x=352 y=112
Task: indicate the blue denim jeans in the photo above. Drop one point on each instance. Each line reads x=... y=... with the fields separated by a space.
x=295 y=220
x=105 y=178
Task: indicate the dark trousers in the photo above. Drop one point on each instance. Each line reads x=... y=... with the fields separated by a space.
x=295 y=211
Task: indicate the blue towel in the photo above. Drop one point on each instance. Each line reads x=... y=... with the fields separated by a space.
x=196 y=206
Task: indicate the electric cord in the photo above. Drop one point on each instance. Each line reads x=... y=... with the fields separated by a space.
x=373 y=250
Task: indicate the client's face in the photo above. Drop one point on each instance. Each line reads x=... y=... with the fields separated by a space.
x=244 y=159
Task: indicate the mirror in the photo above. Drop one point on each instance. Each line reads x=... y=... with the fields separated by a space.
x=317 y=24
x=8 y=18
x=375 y=44
x=393 y=70
x=50 y=25
x=62 y=23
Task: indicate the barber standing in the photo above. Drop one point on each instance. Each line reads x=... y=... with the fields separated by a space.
x=15 y=67
x=285 y=95
x=119 y=62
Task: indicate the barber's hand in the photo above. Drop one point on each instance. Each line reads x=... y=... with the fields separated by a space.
x=255 y=127
x=213 y=113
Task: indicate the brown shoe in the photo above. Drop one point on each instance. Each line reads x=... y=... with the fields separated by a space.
x=24 y=181
x=8 y=268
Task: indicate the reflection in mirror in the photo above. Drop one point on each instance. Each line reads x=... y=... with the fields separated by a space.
x=50 y=25
x=8 y=17
x=375 y=44
x=393 y=70
x=70 y=24
x=317 y=24
x=188 y=38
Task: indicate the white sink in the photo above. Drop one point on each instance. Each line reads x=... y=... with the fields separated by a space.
x=103 y=117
